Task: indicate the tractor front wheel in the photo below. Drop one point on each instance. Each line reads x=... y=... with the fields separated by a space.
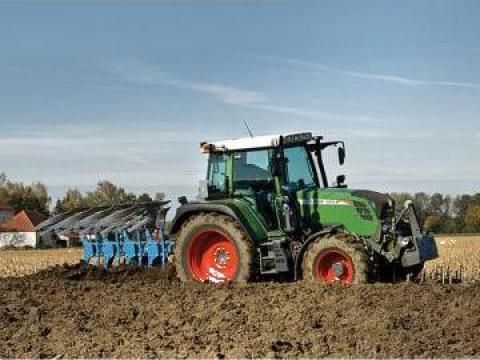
x=213 y=248
x=336 y=258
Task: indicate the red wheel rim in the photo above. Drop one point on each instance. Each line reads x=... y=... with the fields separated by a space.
x=334 y=265
x=212 y=256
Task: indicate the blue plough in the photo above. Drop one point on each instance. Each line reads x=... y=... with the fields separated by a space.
x=140 y=247
x=117 y=235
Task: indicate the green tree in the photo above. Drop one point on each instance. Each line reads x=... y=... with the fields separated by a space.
x=143 y=198
x=433 y=223
x=108 y=193
x=73 y=199
x=440 y=205
x=105 y=194
x=24 y=197
x=460 y=209
x=421 y=201
x=473 y=218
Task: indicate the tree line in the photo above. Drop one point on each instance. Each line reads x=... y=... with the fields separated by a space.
x=35 y=196
x=443 y=213
x=105 y=194
x=21 y=196
x=438 y=213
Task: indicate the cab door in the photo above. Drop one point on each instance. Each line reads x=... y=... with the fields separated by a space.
x=253 y=180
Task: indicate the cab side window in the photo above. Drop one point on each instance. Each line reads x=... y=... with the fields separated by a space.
x=216 y=178
x=251 y=168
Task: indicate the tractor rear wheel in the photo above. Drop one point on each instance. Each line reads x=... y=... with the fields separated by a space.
x=336 y=258
x=214 y=248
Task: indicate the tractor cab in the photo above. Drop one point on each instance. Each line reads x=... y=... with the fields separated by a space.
x=268 y=171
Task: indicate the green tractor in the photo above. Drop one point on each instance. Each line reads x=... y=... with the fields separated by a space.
x=267 y=210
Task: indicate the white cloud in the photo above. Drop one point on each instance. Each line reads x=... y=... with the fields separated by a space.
x=389 y=78
x=146 y=74
x=260 y=101
x=226 y=94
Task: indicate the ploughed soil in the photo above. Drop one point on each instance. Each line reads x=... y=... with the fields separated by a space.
x=79 y=311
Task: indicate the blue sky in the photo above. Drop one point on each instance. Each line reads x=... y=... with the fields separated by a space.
x=125 y=92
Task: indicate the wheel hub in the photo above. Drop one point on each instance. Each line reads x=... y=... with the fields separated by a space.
x=338 y=269
x=222 y=257
x=212 y=256
x=334 y=265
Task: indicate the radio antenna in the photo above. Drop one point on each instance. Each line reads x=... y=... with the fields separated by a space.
x=248 y=128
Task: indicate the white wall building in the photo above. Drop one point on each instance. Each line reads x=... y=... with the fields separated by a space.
x=20 y=231
x=18 y=239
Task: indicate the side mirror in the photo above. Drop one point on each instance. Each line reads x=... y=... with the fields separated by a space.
x=341 y=181
x=341 y=155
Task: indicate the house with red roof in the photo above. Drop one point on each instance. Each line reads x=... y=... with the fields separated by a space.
x=20 y=230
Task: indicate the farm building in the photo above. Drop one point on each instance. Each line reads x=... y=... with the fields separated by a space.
x=6 y=212
x=20 y=230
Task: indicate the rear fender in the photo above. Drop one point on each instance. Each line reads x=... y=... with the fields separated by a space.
x=249 y=222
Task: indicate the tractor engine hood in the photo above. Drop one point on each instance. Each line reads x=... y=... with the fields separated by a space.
x=354 y=209
x=382 y=203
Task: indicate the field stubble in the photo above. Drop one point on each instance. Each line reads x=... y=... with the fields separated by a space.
x=23 y=262
x=459 y=260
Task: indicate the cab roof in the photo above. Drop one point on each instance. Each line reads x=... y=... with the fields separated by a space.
x=256 y=142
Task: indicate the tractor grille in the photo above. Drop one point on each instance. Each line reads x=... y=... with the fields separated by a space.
x=363 y=211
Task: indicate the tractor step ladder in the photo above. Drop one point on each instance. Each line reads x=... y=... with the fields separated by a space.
x=273 y=258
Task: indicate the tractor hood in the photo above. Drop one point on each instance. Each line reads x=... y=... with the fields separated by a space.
x=382 y=202
x=359 y=211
